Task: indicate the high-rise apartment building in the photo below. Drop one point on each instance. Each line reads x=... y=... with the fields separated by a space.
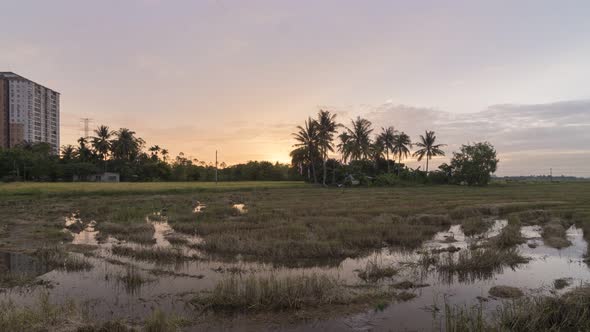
x=29 y=112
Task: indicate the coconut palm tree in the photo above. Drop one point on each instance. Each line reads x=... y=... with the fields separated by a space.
x=83 y=152
x=307 y=138
x=345 y=147
x=401 y=146
x=125 y=145
x=326 y=126
x=300 y=159
x=386 y=139
x=428 y=148
x=154 y=150
x=377 y=149
x=68 y=153
x=165 y=154
x=102 y=144
x=359 y=139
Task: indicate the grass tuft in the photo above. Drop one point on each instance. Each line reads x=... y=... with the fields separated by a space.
x=470 y=265
x=9 y=280
x=155 y=254
x=142 y=233
x=161 y=322
x=177 y=239
x=109 y=326
x=42 y=316
x=475 y=225
x=408 y=285
x=132 y=280
x=509 y=236
x=463 y=318
x=505 y=292
x=56 y=258
x=374 y=271
x=562 y=283
x=257 y=294
x=568 y=312
x=554 y=235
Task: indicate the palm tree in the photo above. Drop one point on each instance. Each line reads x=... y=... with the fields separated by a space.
x=101 y=143
x=386 y=139
x=299 y=159
x=126 y=145
x=358 y=139
x=428 y=148
x=308 y=139
x=377 y=149
x=401 y=146
x=68 y=153
x=84 y=153
x=165 y=154
x=345 y=146
x=326 y=126
x=155 y=150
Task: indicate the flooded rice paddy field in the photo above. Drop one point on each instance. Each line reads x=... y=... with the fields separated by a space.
x=369 y=260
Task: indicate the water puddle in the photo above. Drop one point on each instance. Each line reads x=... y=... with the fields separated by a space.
x=87 y=236
x=161 y=229
x=455 y=238
x=425 y=312
x=531 y=232
x=72 y=220
x=165 y=236
x=82 y=234
x=199 y=207
x=241 y=208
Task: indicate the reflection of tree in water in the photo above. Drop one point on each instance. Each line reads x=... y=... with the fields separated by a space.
x=17 y=263
x=4 y=262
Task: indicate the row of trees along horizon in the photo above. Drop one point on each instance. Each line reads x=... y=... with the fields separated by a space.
x=365 y=156
x=123 y=152
x=363 y=159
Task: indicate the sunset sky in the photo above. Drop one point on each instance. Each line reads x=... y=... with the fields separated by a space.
x=238 y=76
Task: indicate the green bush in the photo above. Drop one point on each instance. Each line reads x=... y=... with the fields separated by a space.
x=388 y=180
x=474 y=164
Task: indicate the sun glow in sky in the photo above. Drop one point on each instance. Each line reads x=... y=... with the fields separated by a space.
x=238 y=76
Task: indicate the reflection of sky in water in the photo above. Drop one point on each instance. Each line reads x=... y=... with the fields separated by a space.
x=199 y=207
x=241 y=208
x=107 y=298
x=87 y=235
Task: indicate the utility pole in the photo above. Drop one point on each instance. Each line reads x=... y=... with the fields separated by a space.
x=215 y=167
x=551 y=174
x=86 y=126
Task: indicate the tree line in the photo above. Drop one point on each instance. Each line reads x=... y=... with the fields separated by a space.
x=123 y=152
x=364 y=156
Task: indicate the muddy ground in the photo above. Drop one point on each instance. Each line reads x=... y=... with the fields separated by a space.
x=301 y=258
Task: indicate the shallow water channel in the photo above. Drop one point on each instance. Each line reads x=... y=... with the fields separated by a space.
x=171 y=286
